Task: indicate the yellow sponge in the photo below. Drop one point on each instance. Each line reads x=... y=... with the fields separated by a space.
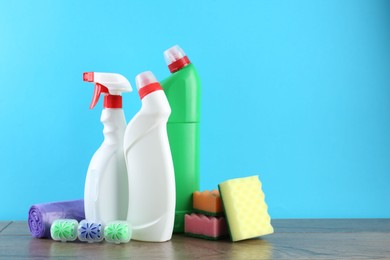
x=245 y=208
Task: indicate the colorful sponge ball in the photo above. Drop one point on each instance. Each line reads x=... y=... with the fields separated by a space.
x=245 y=208
x=202 y=226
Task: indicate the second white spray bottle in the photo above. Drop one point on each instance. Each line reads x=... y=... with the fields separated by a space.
x=150 y=170
x=106 y=189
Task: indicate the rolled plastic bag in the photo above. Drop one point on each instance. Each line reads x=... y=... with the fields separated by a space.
x=41 y=216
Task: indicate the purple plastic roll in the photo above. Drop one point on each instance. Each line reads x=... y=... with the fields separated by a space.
x=41 y=216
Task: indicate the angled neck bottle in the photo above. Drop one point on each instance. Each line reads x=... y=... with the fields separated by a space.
x=149 y=165
x=183 y=90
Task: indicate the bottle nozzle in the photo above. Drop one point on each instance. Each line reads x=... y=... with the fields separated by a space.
x=176 y=58
x=111 y=84
x=145 y=78
x=88 y=76
x=146 y=83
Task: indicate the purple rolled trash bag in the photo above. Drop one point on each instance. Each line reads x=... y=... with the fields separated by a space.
x=41 y=216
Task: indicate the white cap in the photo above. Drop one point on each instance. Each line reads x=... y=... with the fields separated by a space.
x=173 y=54
x=145 y=78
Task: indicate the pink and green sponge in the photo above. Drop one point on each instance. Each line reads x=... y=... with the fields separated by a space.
x=202 y=226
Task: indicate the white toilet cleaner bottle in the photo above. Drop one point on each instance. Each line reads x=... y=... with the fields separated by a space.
x=106 y=190
x=150 y=171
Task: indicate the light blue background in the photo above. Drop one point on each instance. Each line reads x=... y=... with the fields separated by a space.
x=295 y=91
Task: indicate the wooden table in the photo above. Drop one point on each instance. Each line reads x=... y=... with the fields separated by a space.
x=293 y=239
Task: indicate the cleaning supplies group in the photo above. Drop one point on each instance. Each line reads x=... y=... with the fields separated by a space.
x=143 y=181
x=132 y=176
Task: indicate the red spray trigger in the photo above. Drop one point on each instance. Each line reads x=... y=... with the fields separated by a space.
x=111 y=85
x=99 y=88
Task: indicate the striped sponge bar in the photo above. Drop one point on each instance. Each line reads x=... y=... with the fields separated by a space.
x=202 y=226
x=245 y=208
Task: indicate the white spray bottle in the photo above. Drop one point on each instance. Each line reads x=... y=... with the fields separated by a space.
x=152 y=193
x=106 y=190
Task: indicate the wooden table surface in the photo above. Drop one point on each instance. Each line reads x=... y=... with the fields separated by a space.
x=293 y=239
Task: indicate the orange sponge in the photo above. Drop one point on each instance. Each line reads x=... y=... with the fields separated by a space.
x=208 y=202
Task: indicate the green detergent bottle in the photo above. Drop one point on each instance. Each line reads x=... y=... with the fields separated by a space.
x=182 y=89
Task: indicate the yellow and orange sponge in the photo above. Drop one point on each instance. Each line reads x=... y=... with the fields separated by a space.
x=207 y=202
x=245 y=208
